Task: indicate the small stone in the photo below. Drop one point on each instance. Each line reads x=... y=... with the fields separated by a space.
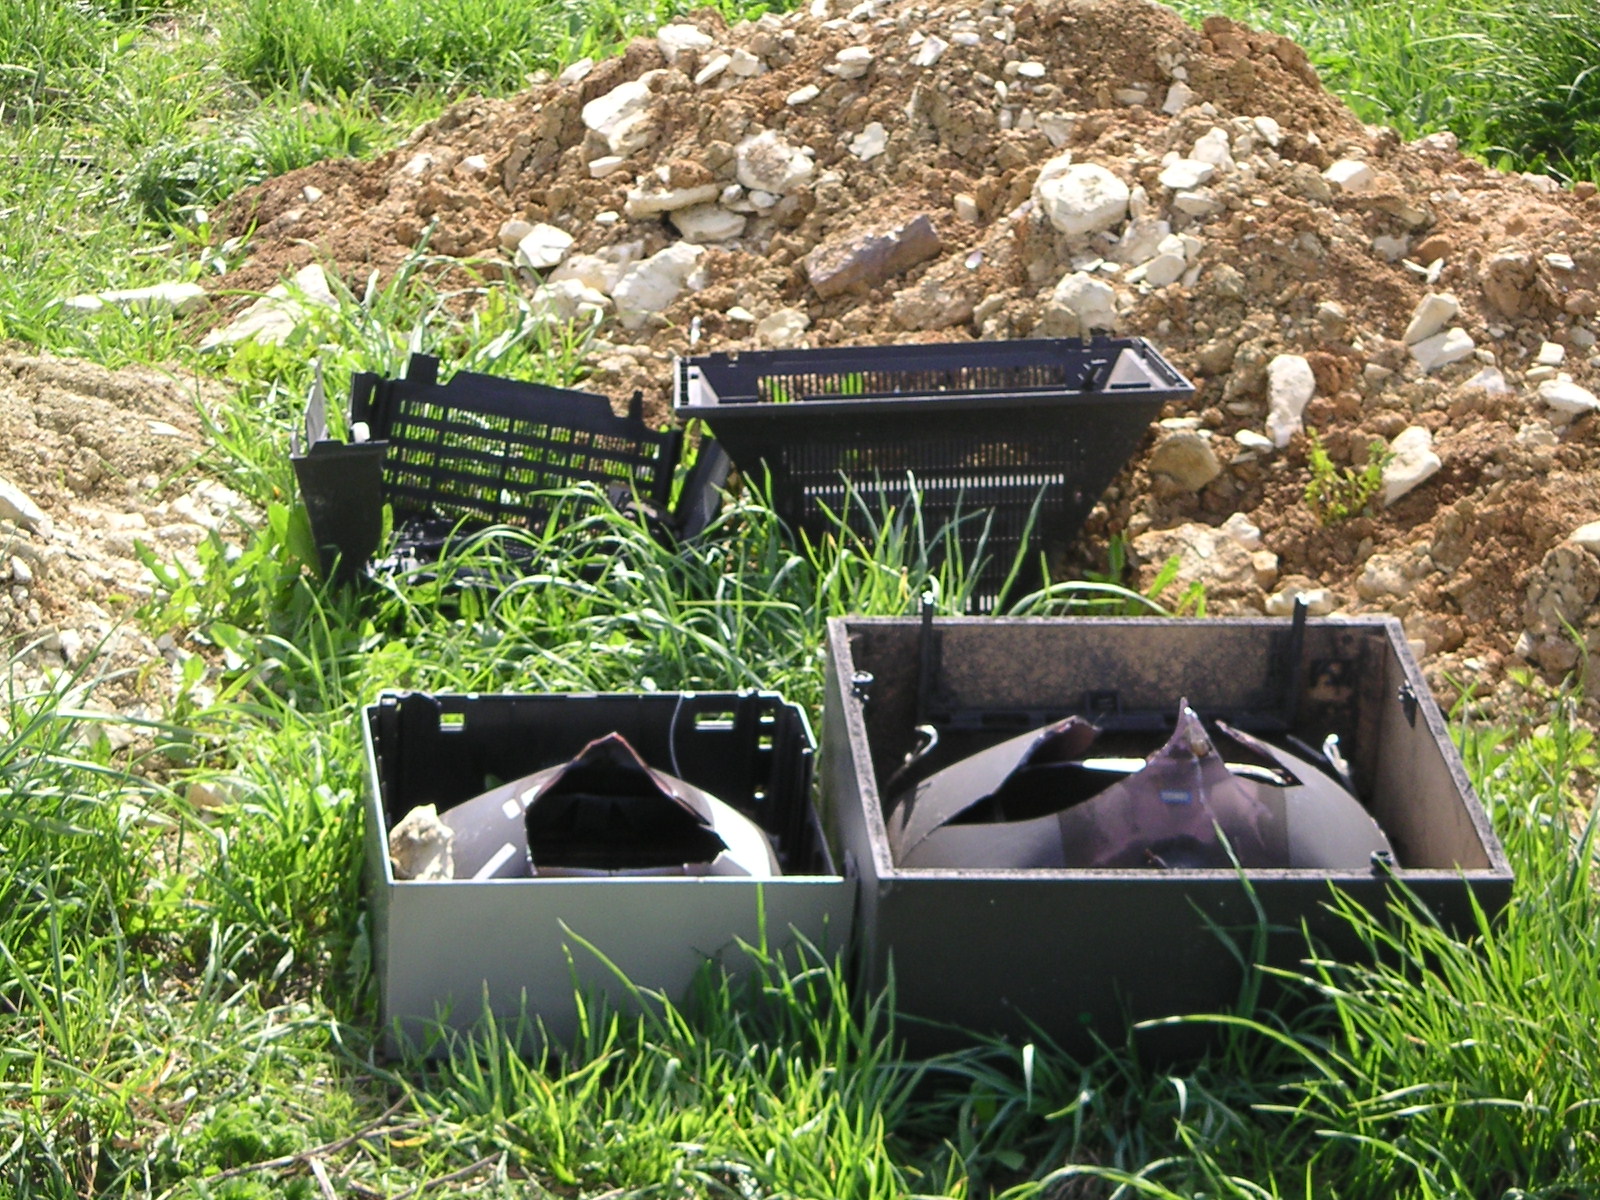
x=1081 y=303
x=1551 y=354
x=851 y=63
x=1413 y=462
x=1255 y=443
x=1430 y=316
x=311 y=193
x=1130 y=96
x=930 y=52
x=512 y=232
x=18 y=507
x=1242 y=530
x=1566 y=397
x=1587 y=536
x=577 y=72
x=966 y=207
x=1185 y=174
x=605 y=113
x=1179 y=96
x=859 y=262
x=1186 y=458
x=1389 y=248
x=421 y=846
x=159 y=297
x=1031 y=70
x=782 y=329
x=718 y=64
x=1490 y=380
x=1213 y=148
x=1319 y=602
x=677 y=40
x=870 y=142
x=606 y=164
x=766 y=162
x=804 y=95
x=1442 y=349
x=744 y=64
x=1290 y=386
x=1080 y=199
x=740 y=313
x=1196 y=204
x=542 y=247
x=707 y=223
x=1351 y=176
x=652 y=284
x=273 y=318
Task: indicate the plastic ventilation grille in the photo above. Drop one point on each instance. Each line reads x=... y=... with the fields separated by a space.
x=960 y=381
x=454 y=463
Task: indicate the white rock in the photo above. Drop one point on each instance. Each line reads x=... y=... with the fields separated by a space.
x=1196 y=204
x=1254 y=442
x=718 y=64
x=1290 y=386
x=1319 y=601
x=18 y=507
x=707 y=223
x=605 y=113
x=1430 y=316
x=654 y=195
x=1491 y=380
x=1163 y=269
x=870 y=142
x=1214 y=148
x=966 y=207
x=1031 y=70
x=606 y=164
x=1268 y=129
x=542 y=247
x=1185 y=174
x=850 y=63
x=512 y=232
x=1413 y=462
x=930 y=52
x=804 y=95
x=675 y=40
x=421 y=846
x=1587 y=536
x=1442 y=349
x=1141 y=241
x=272 y=319
x=417 y=165
x=1093 y=302
x=1351 y=175
x=567 y=300
x=744 y=64
x=651 y=285
x=1130 y=96
x=576 y=72
x=767 y=163
x=783 y=328
x=1057 y=127
x=600 y=271
x=1390 y=249
x=158 y=297
x=1080 y=199
x=1537 y=435
x=1179 y=96
x=1551 y=354
x=1566 y=397
x=1242 y=530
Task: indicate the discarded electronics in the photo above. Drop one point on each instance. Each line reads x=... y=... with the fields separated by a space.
x=474 y=452
x=1020 y=801
x=561 y=844
x=1015 y=441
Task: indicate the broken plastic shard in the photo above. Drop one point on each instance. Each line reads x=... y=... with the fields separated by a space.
x=421 y=846
x=1036 y=801
x=605 y=812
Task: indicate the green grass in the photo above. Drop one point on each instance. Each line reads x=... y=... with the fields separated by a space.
x=186 y=1001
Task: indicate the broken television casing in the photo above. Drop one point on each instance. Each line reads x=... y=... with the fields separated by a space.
x=1077 y=952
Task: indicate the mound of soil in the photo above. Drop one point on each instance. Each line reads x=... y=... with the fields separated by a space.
x=105 y=461
x=1262 y=223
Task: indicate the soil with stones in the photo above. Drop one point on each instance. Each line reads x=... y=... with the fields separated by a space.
x=98 y=463
x=899 y=172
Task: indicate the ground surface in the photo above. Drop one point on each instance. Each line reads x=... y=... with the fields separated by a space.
x=1277 y=261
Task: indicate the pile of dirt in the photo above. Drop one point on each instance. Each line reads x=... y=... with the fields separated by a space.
x=1049 y=168
x=97 y=463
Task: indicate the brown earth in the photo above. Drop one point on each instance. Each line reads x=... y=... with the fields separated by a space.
x=1476 y=560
